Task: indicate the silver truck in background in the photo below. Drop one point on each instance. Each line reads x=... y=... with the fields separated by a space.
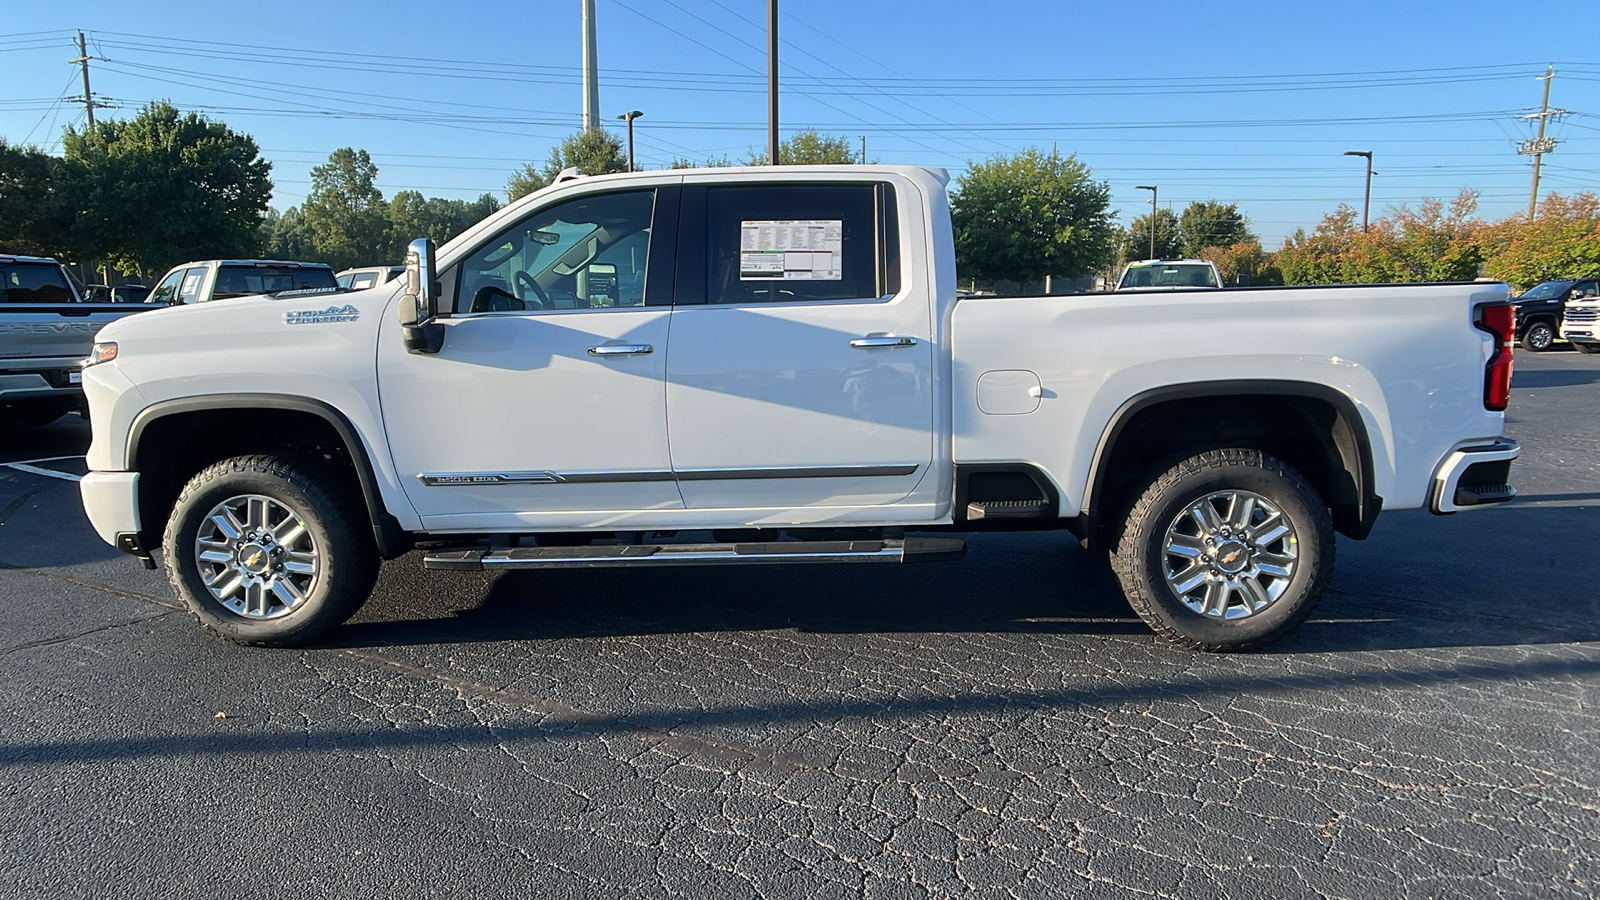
x=46 y=329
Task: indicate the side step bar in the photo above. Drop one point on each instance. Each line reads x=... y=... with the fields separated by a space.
x=896 y=551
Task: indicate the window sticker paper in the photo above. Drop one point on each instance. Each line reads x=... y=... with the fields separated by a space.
x=791 y=249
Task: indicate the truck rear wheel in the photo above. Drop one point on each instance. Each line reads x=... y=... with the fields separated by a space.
x=1228 y=550
x=268 y=550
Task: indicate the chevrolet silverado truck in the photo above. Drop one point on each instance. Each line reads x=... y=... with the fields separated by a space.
x=1581 y=324
x=46 y=329
x=771 y=365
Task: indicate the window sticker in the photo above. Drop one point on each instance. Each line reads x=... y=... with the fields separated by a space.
x=191 y=284
x=791 y=249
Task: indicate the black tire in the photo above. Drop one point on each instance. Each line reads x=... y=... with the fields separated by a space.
x=1539 y=336
x=1141 y=560
x=336 y=539
x=1586 y=348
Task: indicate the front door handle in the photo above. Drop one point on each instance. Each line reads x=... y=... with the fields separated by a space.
x=621 y=350
x=883 y=341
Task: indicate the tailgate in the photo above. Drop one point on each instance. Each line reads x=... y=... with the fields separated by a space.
x=55 y=331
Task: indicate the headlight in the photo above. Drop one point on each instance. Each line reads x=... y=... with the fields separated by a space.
x=104 y=351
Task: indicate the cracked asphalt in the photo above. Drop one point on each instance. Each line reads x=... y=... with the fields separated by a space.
x=1000 y=727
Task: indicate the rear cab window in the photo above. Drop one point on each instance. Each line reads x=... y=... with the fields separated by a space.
x=29 y=282
x=800 y=242
x=245 y=280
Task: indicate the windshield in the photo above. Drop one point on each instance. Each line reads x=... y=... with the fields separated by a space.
x=240 y=281
x=34 y=283
x=1171 y=275
x=1547 y=291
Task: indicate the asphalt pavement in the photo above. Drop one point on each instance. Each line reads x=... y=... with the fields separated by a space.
x=1002 y=726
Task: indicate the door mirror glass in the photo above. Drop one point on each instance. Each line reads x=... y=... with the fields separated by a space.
x=420 y=302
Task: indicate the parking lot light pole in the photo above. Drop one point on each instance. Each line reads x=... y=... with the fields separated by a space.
x=1152 y=189
x=1367 y=203
x=629 y=117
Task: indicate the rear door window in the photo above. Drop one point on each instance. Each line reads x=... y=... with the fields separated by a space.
x=189 y=288
x=798 y=242
x=34 y=283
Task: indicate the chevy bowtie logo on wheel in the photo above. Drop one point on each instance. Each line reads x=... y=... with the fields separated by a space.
x=345 y=313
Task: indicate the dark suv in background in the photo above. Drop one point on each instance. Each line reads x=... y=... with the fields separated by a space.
x=1539 y=310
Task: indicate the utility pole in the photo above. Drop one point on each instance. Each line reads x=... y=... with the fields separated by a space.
x=88 y=99
x=772 y=82
x=863 y=149
x=1366 y=204
x=1152 y=189
x=591 y=71
x=629 y=117
x=1541 y=145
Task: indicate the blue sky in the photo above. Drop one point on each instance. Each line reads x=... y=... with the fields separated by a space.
x=1250 y=103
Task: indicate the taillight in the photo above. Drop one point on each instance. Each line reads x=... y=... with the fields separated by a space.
x=1499 y=320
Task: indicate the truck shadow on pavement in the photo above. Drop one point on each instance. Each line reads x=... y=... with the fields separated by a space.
x=1422 y=583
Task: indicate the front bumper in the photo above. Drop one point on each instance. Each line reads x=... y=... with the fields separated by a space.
x=1475 y=476
x=111 y=500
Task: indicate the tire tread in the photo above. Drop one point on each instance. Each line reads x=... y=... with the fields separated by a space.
x=1126 y=560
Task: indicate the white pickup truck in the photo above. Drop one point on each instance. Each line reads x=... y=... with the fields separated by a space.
x=771 y=365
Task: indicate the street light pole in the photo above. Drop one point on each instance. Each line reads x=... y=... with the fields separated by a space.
x=629 y=117
x=1152 y=189
x=1366 y=204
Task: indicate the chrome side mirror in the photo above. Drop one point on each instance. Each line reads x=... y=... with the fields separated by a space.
x=419 y=305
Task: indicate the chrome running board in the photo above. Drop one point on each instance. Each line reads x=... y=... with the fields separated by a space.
x=894 y=551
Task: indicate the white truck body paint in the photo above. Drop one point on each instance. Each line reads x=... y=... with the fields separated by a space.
x=517 y=398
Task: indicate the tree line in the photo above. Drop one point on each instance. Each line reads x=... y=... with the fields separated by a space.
x=164 y=187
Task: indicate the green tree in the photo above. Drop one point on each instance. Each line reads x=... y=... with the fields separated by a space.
x=285 y=236
x=809 y=148
x=35 y=218
x=1435 y=242
x=164 y=187
x=413 y=216
x=345 y=213
x=594 y=152
x=1023 y=217
x=1136 y=240
x=1563 y=241
x=1208 y=223
x=712 y=162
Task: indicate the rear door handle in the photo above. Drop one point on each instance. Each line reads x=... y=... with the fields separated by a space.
x=883 y=341
x=621 y=350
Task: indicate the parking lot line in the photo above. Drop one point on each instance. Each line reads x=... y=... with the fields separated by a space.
x=37 y=470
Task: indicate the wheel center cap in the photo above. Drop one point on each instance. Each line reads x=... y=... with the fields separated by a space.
x=254 y=558
x=1232 y=556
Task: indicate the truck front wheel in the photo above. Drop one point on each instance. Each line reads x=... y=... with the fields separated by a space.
x=1228 y=550
x=267 y=550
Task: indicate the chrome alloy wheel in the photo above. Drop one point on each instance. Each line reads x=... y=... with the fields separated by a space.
x=1229 y=554
x=256 y=556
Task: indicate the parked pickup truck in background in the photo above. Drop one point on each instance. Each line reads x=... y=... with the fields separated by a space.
x=368 y=276
x=1581 y=324
x=765 y=365
x=1540 y=309
x=45 y=332
x=222 y=279
x=1169 y=275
